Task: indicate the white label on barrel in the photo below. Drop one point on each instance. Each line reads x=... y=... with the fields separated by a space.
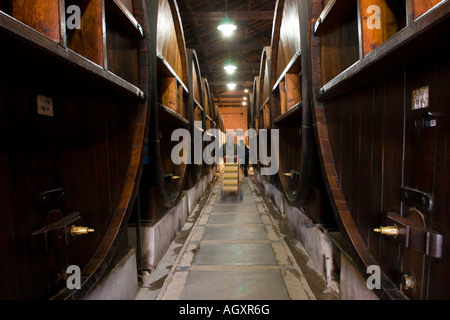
x=420 y=98
x=45 y=106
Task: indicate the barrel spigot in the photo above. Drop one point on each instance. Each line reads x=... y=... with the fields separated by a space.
x=81 y=231
x=388 y=231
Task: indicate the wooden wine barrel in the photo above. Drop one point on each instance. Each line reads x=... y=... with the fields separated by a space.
x=381 y=106
x=73 y=126
x=219 y=119
x=163 y=181
x=208 y=114
x=220 y=125
x=250 y=121
x=265 y=111
x=196 y=114
x=209 y=105
x=263 y=104
x=254 y=101
x=290 y=103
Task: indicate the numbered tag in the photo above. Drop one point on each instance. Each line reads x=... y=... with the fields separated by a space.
x=420 y=98
x=45 y=106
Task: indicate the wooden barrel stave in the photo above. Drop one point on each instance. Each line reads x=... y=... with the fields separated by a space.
x=208 y=114
x=196 y=114
x=254 y=107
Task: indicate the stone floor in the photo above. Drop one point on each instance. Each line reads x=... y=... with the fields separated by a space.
x=231 y=249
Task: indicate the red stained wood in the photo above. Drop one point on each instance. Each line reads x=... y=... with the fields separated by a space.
x=422 y=6
x=89 y=40
x=43 y=16
x=374 y=35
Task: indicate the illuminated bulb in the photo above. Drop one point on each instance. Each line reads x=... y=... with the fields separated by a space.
x=230 y=69
x=231 y=86
x=246 y=90
x=227 y=28
x=245 y=98
x=244 y=103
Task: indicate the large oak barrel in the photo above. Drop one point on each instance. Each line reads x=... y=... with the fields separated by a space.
x=208 y=105
x=254 y=120
x=262 y=107
x=219 y=119
x=290 y=103
x=73 y=125
x=208 y=115
x=163 y=180
x=263 y=104
x=381 y=107
x=220 y=125
x=196 y=114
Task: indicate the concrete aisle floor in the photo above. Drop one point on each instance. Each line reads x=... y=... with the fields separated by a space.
x=234 y=251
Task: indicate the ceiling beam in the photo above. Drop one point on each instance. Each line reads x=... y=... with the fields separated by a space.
x=236 y=15
x=196 y=26
x=202 y=44
x=220 y=72
x=241 y=66
x=239 y=83
x=236 y=46
x=237 y=95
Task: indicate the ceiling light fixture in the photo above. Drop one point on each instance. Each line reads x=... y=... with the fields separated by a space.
x=226 y=25
x=231 y=86
x=230 y=69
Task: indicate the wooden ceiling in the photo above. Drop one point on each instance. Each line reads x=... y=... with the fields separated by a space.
x=253 y=18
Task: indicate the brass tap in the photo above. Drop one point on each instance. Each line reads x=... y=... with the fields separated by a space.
x=388 y=231
x=80 y=231
x=408 y=282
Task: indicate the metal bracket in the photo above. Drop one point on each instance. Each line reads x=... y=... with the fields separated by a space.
x=415 y=236
x=417 y=199
x=55 y=235
x=52 y=199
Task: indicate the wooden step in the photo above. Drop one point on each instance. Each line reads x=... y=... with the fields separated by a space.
x=226 y=190
x=230 y=183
